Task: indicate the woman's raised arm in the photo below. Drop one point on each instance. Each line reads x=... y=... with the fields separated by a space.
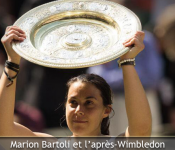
x=7 y=93
x=137 y=107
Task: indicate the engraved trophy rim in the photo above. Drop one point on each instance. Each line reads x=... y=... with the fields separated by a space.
x=75 y=34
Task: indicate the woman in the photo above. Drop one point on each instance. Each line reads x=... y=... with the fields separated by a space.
x=88 y=103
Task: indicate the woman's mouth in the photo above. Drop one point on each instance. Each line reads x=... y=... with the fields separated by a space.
x=79 y=121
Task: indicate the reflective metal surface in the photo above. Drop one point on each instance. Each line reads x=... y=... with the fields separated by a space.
x=75 y=34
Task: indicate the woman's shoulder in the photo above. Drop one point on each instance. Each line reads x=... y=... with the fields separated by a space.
x=38 y=134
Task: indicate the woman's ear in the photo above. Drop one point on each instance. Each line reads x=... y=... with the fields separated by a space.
x=107 y=111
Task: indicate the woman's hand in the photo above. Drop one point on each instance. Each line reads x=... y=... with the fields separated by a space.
x=12 y=33
x=136 y=42
x=137 y=106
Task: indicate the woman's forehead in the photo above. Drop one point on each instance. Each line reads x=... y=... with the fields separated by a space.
x=84 y=88
x=80 y=84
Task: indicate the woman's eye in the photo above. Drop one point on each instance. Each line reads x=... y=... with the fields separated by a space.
x=89 y=102
x=73 y=102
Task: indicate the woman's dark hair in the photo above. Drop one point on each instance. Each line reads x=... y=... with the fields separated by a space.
x=105 y=90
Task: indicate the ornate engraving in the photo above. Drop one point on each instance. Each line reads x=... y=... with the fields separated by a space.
x=85 y=40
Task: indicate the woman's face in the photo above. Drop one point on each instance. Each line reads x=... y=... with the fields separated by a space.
x=84 y=109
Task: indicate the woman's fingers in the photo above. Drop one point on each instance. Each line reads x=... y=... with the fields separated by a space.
x=136 y=41
x=16 y=33
x=7 y=39
x=130 y=42
x=139 y=35
x=13 y=33
x=9 y=28
x=15 y=37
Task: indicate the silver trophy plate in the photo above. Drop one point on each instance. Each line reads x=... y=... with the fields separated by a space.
x=75 y=33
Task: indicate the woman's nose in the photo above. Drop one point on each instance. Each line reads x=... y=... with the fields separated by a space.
x=79 y=110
